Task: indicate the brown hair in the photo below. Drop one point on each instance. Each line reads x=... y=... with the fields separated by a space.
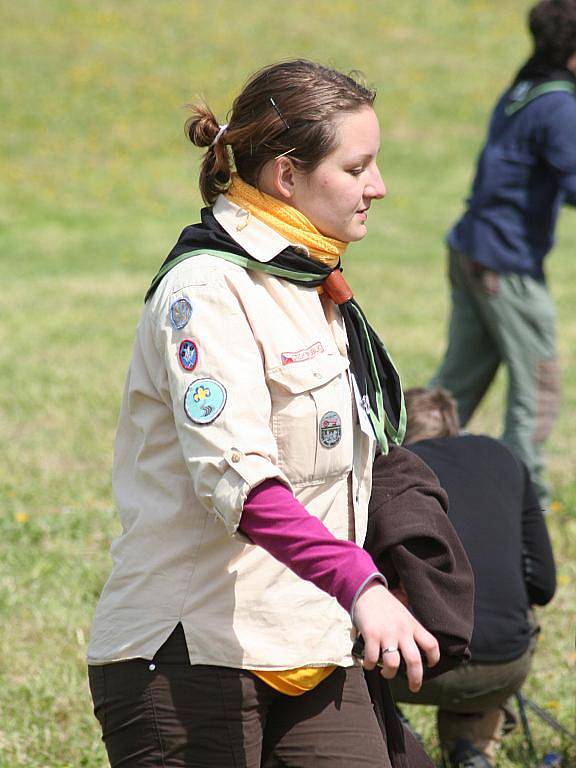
x=284 y=108
x=552 y=24
x=431 y=413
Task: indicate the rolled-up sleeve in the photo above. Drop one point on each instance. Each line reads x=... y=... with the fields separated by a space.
x=216 y=387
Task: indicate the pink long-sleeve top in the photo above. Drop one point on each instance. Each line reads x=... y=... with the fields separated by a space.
x=274 y=519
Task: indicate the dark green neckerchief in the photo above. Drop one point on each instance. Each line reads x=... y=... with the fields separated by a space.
x=535 y=78
x=524 y=92
x=378 y=381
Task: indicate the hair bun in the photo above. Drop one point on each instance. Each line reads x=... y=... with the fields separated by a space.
x=202 y=126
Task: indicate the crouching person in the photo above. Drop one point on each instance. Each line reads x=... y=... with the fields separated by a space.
x=416 y=548
x=494 y=508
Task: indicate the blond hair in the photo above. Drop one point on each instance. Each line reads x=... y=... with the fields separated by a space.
x=431 y=413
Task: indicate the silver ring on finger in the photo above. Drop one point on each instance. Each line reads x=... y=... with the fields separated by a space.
x=390 y=649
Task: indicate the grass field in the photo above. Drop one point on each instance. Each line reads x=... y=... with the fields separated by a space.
x=97 y=182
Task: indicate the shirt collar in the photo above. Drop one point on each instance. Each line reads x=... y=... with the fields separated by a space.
x=261 y=241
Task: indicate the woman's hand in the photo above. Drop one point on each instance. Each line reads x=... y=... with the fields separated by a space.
x=386 y=624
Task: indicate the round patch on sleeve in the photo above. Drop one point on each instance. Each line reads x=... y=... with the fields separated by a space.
x=188 y=354
x=180 y=312
x=330 y=432
x=204 y=400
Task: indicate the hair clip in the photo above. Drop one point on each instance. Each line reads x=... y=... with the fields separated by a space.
x=283 y=154
x=280 y=115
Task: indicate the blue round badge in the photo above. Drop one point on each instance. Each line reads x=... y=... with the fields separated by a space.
x=204 y=400
x=180 y=312
x=330 y=432
x=188 y=354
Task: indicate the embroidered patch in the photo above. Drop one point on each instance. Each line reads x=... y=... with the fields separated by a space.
x=330 y=429
x=520 y=91
x=204 y=400
x=302 y=354
x=188 y=354
x=180 y=312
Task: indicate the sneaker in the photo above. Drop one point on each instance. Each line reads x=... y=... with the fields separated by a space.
x=465 y=755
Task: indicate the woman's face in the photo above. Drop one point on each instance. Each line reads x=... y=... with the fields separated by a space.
x=337 y=194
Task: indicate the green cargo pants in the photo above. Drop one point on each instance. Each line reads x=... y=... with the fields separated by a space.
x=510 y=319
x=469 y=700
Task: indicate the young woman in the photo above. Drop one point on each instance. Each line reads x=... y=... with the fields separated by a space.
x=256 y=395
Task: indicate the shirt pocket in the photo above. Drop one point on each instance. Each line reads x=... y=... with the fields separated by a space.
x=312 y=419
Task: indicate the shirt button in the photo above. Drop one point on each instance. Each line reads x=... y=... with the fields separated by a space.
x=235 y=457
x=152 y=667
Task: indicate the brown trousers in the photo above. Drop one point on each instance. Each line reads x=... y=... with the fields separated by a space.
x=169 y=714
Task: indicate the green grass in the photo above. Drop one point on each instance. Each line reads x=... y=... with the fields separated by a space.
x=97 y=182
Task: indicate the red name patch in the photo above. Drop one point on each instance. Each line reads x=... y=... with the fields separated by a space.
x=302 y=354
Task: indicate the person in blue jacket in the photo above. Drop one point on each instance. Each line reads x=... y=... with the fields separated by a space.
x=502 y=311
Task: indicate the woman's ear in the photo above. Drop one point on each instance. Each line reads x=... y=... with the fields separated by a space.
x=284 y=178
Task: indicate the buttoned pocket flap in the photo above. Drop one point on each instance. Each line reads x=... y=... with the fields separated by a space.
x=302 y=377
x=312 y=419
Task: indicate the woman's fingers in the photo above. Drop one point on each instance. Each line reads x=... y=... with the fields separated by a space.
x=428 y=644
x=414 y=667
x=417 y=642
x=371 y=651
x=389 y=659
x=390 y=633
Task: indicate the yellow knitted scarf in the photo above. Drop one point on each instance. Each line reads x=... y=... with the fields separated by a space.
x=286 y=220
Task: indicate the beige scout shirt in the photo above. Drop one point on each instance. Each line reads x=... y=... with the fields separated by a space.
x=272 y=357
